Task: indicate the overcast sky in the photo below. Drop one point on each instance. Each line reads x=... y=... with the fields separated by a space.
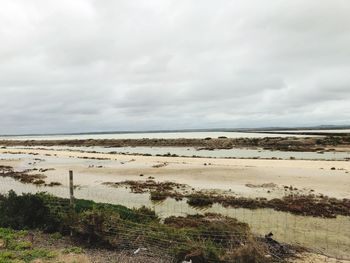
x=85 y=65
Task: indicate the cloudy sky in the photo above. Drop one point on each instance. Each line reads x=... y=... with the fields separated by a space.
x=89 y=65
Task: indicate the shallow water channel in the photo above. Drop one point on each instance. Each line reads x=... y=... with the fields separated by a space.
x=218 y=153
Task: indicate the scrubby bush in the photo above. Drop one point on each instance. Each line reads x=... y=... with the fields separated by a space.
x=209 y=238
x=200 y=201
x=25 y=212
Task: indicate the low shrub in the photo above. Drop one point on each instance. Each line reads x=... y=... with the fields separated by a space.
x=200 y=201
x=210 y=238
x=26 y=212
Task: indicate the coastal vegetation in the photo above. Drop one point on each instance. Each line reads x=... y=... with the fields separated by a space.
x=271 y=143
x=306 y=205
x=201 y=238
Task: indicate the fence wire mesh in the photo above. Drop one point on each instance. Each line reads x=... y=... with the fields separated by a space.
x=329 y=237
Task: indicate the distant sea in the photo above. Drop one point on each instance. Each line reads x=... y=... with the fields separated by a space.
x=150 y=135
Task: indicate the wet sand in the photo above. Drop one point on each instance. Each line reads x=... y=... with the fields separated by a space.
x=238 y=175
x=314 y=258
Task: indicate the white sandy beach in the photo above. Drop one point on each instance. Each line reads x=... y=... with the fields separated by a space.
x=202 y=173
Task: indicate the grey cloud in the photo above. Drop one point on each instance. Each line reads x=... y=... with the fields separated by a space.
x=84 y=65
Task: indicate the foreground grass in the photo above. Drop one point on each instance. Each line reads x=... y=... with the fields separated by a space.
x=15 y=247
x=38 y=247
x=209 y=238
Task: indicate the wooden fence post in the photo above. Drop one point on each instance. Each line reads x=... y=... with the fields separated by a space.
x=71 y=189
x=71 y=196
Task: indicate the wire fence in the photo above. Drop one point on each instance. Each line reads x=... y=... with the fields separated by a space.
x=151 y=241
x=325 y=236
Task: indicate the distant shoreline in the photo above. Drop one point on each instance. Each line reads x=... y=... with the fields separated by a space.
x=273 y=130
x=300 y=144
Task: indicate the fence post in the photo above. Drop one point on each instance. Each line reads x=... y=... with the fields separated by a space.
x=71 y=189
x=71 y=196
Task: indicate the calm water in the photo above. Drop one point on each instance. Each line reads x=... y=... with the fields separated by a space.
x=219 y=153
x=164 y=135
x=323 y=131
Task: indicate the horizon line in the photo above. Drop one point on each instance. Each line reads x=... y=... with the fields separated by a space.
x=257 y=129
